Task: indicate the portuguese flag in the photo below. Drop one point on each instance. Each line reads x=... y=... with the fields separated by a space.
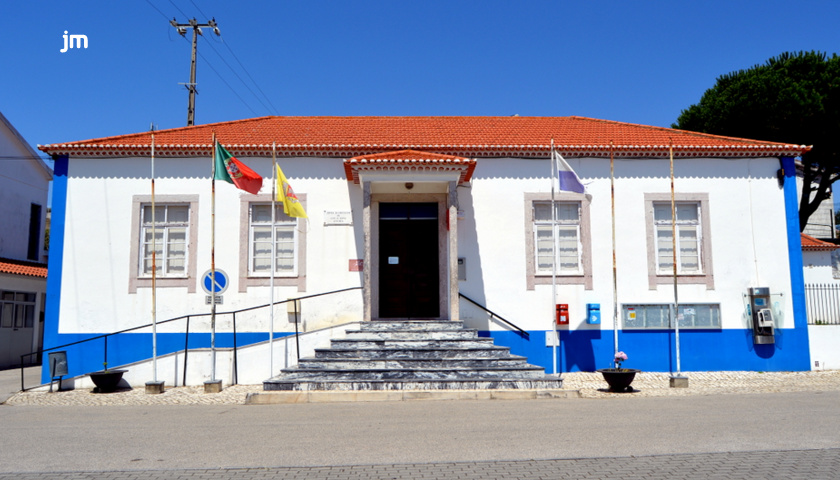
x=231 y=170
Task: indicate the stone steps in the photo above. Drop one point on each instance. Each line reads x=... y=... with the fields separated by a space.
x=527 y=373
x=402 y=325
x=457 y=343
x=412 y=355
x=375 y=335
x=410 y=363
x=547 y=383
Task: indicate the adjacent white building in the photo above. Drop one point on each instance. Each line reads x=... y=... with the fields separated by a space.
x=24 y=186
x=413 y=214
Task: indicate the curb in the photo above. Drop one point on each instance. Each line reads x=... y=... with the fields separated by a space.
x=279 y=398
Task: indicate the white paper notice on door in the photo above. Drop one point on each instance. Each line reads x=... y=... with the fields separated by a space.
x=393 y=260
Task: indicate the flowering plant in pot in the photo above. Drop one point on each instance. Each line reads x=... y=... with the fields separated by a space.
x=618 y=378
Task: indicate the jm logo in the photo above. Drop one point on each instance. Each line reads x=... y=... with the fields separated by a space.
x=73 y=38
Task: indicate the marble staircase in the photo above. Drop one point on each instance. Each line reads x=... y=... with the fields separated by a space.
x=413 y=355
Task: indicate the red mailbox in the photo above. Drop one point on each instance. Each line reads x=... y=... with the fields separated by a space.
x=562 y=313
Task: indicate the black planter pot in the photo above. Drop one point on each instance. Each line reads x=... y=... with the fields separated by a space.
x=619 y=380
x=106 y=381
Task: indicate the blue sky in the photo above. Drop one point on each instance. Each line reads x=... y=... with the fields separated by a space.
x=640 y=62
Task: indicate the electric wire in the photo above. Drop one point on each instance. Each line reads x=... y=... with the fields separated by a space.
x=210 y=65
x=199 y=9
x=273 y=108
x=179 y=9
x=158 y=10
x=218 y=74
x=237 y=75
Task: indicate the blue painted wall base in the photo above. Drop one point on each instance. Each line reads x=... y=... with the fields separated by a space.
x=126 y=348
x=653 y=350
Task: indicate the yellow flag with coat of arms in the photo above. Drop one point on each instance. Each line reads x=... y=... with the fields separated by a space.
x=285 y=194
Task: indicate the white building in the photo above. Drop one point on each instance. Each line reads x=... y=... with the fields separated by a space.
x=24 y=186
x=415 y=212
x=821 y=222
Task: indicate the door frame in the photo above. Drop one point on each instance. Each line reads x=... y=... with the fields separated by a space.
x=442 y=244
x=411 y=249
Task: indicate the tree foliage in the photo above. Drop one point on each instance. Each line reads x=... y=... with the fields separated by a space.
x=791 y=98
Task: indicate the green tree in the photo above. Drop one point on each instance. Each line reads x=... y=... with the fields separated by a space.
x=791 y=98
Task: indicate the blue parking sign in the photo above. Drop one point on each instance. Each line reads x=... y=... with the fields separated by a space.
x=221 y=282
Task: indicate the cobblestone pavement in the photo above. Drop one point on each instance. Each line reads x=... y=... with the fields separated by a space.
x=795 y=464
x=588 y=384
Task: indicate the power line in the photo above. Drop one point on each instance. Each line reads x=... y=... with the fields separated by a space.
x=199 y=9
x=237 y=76
x=218 y=74
x=225 y=43
x=228 y=85
x=179 y=9
x=158 y=10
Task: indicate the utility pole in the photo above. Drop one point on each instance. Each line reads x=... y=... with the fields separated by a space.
x=196 y=29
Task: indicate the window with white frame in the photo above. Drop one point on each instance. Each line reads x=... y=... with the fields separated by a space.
x=560 y=243
x=171 y=239
x=658 y=316
x=283 y=235
x=689 y=238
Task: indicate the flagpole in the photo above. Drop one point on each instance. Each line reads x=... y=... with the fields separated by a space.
x=674 y=248
x=273 y=256
x=615 y=269
x=554 y=261
x=154 y=270
x=213 y=267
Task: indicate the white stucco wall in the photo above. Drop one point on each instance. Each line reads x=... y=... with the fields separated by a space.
x=748 y=238
x=817 y=267
x=96 y=257
x=825 y=339
x=23 y=181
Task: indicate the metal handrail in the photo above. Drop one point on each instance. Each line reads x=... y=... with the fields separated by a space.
x=186 y=332
x=519 y=330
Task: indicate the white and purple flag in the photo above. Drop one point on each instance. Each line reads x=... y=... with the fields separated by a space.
x=569 y=180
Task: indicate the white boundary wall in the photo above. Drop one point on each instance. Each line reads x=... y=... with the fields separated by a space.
x=825 y=347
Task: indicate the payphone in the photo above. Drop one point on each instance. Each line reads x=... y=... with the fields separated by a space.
x=761 y=313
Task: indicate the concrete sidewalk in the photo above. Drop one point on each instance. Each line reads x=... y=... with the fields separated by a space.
x=578 y=384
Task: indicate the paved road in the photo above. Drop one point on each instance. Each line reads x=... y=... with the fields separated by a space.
x=725 y=436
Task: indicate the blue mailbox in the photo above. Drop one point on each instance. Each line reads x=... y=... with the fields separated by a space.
x=593 y=313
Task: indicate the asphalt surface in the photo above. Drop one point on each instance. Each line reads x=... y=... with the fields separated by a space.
x=10 y=380
x=795 y=432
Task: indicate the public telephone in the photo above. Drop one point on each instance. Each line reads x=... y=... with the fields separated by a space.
x=562 y=313
x=761 y=313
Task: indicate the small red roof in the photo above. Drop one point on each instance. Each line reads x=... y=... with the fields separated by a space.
x=461 y=136
x=409 y=160
x=812 y=244
x=19 y=267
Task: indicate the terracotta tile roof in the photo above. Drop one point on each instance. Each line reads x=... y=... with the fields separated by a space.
x=814 y=245
x=19 y=267
x=409 y=160
x=463 y=136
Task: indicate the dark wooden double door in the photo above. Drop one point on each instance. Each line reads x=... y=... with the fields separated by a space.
x=409 y=267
